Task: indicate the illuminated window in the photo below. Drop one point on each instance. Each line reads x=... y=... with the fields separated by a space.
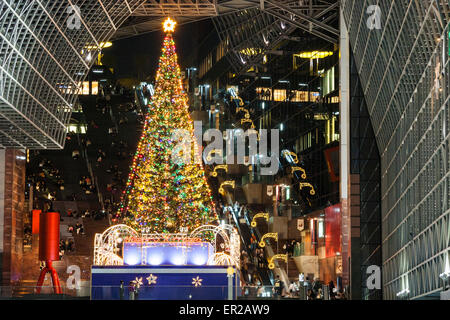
x=304 y=142
x=205 y=65
x=72 y=128
x=279 y=95
x=335 y=99
x=83 y=129
x=328 y=82
x=331 y=131
x=321 y=229
x=75 y=128
x=300 y=96
x=264 y=93
x=321 y=116
x=94 y=88
x=221 y=50
x=85 y=88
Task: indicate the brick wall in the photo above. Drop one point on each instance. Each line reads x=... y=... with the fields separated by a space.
x=12 y=199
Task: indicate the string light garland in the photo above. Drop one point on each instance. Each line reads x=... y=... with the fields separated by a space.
x=162 y=196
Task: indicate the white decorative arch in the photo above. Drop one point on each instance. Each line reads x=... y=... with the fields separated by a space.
x=221 y=259
x=107 y=244
x=197 y=233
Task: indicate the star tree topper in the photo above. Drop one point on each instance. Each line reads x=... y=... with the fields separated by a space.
x=169 y=25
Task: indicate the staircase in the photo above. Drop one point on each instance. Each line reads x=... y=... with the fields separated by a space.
x=292 y=271
x=24 y=288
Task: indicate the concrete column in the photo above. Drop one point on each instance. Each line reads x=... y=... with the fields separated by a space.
x=344 y=77
x=2 y=211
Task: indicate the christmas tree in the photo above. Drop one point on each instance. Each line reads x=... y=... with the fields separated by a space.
x=163 y=195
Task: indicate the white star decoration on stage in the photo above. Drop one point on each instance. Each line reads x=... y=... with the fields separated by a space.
x=138 y=282
x=151 y=279
x=197 y=281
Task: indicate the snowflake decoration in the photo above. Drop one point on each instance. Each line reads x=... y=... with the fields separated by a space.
x=151 y=279
x=197 y=281
x=138 y=282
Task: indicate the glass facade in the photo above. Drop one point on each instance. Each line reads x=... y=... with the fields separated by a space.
x=46 y=46
x=404 y=70
x=365 y=164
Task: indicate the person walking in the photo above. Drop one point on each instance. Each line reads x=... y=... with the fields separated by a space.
x=278 y=288
x=332 y=290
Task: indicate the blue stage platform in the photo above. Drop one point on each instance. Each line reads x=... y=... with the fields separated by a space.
x=164 y=282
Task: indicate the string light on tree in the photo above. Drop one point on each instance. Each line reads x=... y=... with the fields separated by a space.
x=163 y=196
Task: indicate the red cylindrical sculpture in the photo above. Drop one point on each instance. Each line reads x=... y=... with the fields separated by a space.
x=49 y=248
x=35 y=221
x=49 y=236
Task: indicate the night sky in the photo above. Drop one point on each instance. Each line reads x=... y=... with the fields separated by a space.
x=137 y=57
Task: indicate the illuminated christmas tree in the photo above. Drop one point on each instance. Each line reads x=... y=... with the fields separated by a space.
x=163 y=195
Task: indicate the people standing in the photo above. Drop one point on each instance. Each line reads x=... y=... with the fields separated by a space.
x=278 y=288
x=121 y=290
x=131 y=290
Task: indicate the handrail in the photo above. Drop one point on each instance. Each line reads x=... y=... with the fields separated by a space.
x=94 y=178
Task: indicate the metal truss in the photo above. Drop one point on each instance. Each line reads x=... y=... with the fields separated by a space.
x=249 y=35
x=149 y=16
x=46 y=48
x=263 y=27
x=313 y=16
x=43 y=60
x=404 y=70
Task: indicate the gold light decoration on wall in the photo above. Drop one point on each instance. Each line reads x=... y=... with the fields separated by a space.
x=247 y=114
x=307 y=185
x=230 y=183
x=276 y=257
x=314 y=54
x=292 y=154
x=248 y=121
x=264 y=215
x=241 y=102
x=295 y=169
x=220 y=166
x=270 y=235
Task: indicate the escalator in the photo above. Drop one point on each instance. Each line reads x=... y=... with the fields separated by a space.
x=264 y=274
x=278 y=270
